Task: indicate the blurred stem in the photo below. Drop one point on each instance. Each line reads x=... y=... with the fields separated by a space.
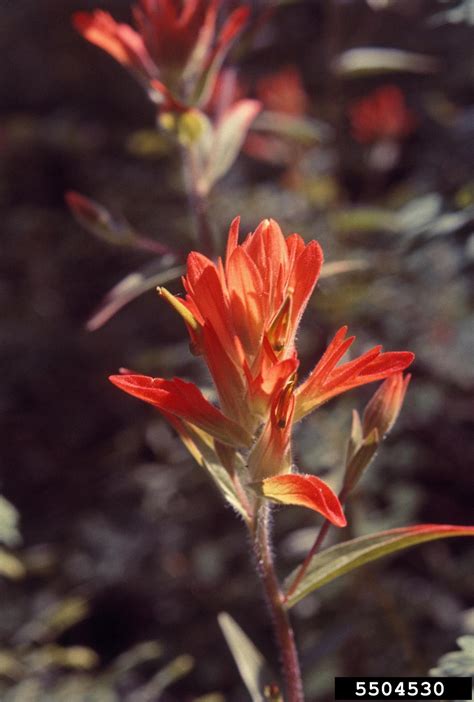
x=281 y=622
x=198 y=202
x=155 y=247
x=321 y=535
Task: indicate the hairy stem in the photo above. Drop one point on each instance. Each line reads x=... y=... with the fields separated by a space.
x=281 y=623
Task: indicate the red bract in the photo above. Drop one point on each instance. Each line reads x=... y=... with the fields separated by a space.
x=383 y=409
x=283 y=91
x=381 y=115
x=242 y=315
x=175 y=49
x=329 y=379
x=285 y=103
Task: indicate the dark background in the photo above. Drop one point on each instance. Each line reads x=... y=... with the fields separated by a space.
x=123 y=538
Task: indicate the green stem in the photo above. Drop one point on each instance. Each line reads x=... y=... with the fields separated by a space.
x=281 y=622
x=198 y=202
x=321 y=535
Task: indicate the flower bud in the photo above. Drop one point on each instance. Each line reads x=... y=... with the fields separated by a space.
x=379 y=417
x=98 y=220
x=383 y=409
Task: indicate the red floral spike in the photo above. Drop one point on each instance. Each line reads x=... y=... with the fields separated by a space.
x=242 y=315
x=174 y=51
x=381 y=115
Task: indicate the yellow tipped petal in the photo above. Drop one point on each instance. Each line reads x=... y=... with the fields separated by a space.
x=278 y=331
x=180 y=308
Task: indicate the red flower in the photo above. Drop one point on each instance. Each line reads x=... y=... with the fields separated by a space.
x=242 y=316
x=329 y=379
x=283 y=91
x=284 y=129
x=185 y=401
x=381 y=115
x=175 y=49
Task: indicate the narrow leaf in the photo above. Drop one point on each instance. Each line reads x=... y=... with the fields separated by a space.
x=338 y=267
x=229 y=135
x=201 y=447
x=171 y=673
x=304 y=130
x=131 y=287
x=10 y=566
x=341 y=559
x=252 y=666
x=9 y=518
x=374 y=60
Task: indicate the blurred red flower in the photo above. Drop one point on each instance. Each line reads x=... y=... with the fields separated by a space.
x=382 y=115
x=285 y=102
x=283 y=91
x=176 y=50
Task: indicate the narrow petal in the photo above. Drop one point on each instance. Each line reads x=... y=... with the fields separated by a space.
x=196 y=264
x=229 y=32
x=333 y=354
x=352 y=369
x=228 y=376
x=245 y=287
x=295 y=245
x=119 y=40
x=386 y=364
x=186 y=401
x=326 y=381
x=305 y=491
x=303 y=279
x=309 y=392
x=271 y=454
x=267 y=248
x=213 y=304
x=233 y=238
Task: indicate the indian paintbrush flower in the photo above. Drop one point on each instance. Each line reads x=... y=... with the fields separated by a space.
x=242 y=315
x=175 y=51
x=381 y=116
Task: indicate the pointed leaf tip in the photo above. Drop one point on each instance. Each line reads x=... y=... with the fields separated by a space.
x=304 y=491
x=342 y=558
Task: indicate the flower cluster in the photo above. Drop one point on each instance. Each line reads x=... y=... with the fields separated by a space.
x=242 y=316
x=382 y=115
x=175 y=50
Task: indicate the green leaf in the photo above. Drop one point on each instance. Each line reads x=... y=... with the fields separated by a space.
x=10 y=566
x=252 y=666
x=131 y=287
x=366 y=60
x=201 y=447
x=171 y=673
x=143 y=652
x=364 y=220
x=458 y=663
x=304 y=130
x=341 y=559
x=229 y=135
x=9 y=518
